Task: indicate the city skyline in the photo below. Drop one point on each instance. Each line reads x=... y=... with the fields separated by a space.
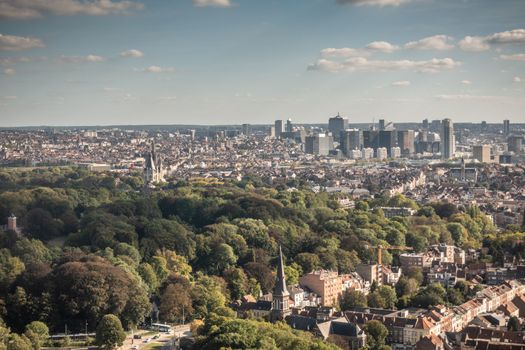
x=67 y=63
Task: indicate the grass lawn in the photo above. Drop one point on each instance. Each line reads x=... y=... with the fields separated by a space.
x=153 y=346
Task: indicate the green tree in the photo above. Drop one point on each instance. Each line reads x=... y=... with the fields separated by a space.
x=351 y=299
x=10 y=268
x=149 y=277
x=237 y=282
x=207 y=295
x=110 y=333
x=293 y=273
x=308 y=261
x=376 y=333
x=514 y=324
x=406 y=286
x=18 y=342
x=175 y=303
x=37 y=332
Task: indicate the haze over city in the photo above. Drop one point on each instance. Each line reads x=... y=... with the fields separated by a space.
x=237 y=61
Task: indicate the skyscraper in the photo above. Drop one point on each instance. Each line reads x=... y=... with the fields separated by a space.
x=381 y=124
x=483 y=126
x=447 y=139
x=350 y=139
x=515 y=144
x=246 y=129
x=387 y=139
x=279 y=128
x=405 y=141
x=320 y=144
x=289 y=126
x=336 y=125
x=506 y=126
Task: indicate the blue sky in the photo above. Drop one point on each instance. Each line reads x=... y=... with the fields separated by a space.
x=72 y=62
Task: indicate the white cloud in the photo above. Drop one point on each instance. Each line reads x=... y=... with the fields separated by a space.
x=515 y=57
x=156 y=69
x=82 y=59
x=516 y=79
x=343 y=52
x=375 y=46
x=27 y=9
x=9 y=71
x=470 y=97
x=382 y=46
x=466 y=82
x=212 y=3
x=167 y=98
x=401 y=83
x=9 y=97
x=132 y=53
x=380 y=3
x=482 y=43
x=18 y=43
x=511 y=36
x=354 y=64
x=436 y=42
x=473 y=44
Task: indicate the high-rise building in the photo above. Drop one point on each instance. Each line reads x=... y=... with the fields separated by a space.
x=425 y=124
x=387 y=139
x=435 y=125
x=405 y=141
x=246 y=129
x=371 y=139
x=336 y=125
x=350 y=140
x=289 y=126
x=484 y=126
x=506 y=126
x=481 y=153
x=447 y=139
x=381 y=124
x=320 y=144
x=279 y=128
x=515 y=144
x=280 y=295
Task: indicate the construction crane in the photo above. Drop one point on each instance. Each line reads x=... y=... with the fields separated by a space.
x=392 y=247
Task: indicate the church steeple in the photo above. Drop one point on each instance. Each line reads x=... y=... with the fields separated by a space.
x=280 y=285
x=280 y=295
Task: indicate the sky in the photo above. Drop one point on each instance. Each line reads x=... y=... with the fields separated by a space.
x=110 y=62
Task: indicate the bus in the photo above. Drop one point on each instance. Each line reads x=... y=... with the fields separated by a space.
x=166 y=328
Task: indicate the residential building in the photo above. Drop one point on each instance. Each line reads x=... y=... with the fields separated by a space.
x=326 y=284
x=481 y=153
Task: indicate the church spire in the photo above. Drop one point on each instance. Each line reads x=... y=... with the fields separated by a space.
x=280 y=285
x=280 y=295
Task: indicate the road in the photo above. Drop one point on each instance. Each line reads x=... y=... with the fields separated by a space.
x=166 y=340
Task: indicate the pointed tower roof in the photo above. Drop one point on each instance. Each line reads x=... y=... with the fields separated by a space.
x=280 y=284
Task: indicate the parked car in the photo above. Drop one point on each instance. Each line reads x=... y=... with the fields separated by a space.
x=137 y=336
